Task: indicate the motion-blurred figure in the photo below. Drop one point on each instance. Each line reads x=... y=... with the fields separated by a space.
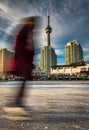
x=24 y=54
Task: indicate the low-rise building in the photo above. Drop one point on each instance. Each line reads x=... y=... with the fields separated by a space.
x=78 y=70
x=6 y=58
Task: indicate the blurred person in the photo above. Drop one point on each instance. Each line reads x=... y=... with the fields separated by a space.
x=24 y=55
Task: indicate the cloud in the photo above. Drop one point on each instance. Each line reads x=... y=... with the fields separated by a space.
x=63 y=13
x=86 y=57
x=37 y=56
x=37 y=59
x=4 y=8
x=4 y=44
x=59 y=52
x=86 y=49
x=68 y=19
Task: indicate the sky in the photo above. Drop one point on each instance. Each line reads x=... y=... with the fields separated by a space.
x=69 y=20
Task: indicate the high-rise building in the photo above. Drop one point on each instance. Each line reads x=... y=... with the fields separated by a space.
x=73 y=52
x=48 y=56
x=6 y=58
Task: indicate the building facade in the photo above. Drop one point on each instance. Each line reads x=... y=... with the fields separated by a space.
x=6 y=58
x=73 y=52
x=48 y=56
x=77 y=70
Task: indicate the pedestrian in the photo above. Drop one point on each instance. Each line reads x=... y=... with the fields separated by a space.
x=24 y=55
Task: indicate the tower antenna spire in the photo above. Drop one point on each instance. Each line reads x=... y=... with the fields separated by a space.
x=48 y=29
x=48 y=16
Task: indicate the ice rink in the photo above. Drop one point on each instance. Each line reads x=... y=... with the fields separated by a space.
x=61 y=105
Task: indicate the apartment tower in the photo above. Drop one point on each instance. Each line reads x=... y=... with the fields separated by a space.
x=73 y=52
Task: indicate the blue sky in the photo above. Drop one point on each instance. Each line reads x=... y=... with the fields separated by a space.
x=69 y=20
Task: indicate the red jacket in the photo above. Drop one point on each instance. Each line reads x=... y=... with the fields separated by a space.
x=24 y=51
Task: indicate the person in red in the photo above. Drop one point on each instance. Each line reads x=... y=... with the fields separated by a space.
x=24 y=55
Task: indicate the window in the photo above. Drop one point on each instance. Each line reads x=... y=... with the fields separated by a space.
x=83 y=69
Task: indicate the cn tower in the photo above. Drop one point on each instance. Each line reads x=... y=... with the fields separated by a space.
x=48 y=30
x=48 y=56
